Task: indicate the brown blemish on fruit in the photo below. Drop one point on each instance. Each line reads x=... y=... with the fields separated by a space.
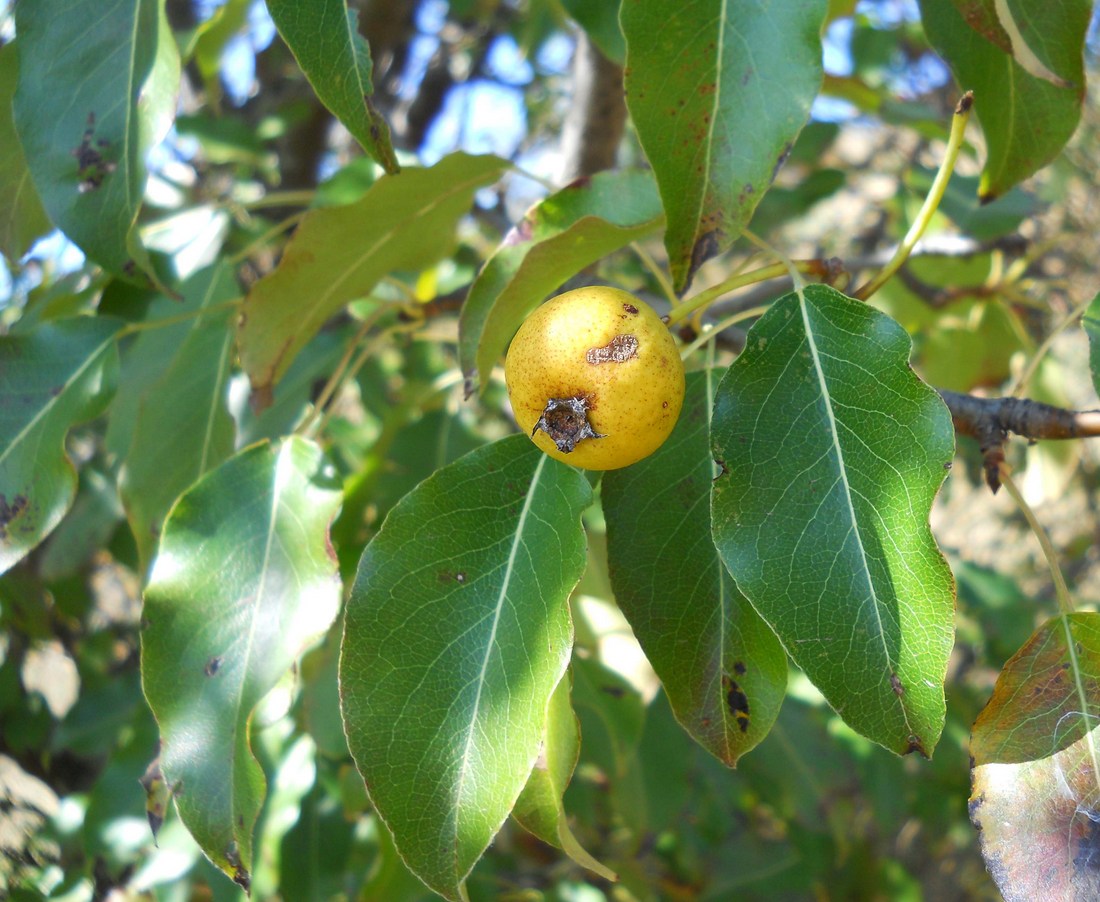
x=630 y=308
x=620 y=349
x=565 y=420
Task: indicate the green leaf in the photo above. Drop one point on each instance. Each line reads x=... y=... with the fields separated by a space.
x=324 y=37
x=97 y=89
x=611 y=713
x=1036 y=777
x=700 y=86
x=244 y=579
x=51 y=379
x=314 y=854
x=722 y=667
x=210 y=39
x=1091 y=323
x=183 y=427
x=832 y=452
x=87 y=528
x=539 y=807
x=457 y=632
x=600 y=20
x=339 y=254
x=144 y=357
x=22 y=218
x=1026 y=119
x=558 y=237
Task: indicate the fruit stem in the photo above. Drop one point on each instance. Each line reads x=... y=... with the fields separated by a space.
x=931 y=202
x=1029 y=371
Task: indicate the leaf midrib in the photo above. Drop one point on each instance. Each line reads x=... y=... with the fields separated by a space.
x=238 y=727
x=803 y=306
x=490 y=644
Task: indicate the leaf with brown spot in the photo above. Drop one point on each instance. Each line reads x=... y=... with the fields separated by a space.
x=1036 y=777
x=243 y=581
x=1026 y=118
x=701 y=88
x=722 y=668
x=51 y=379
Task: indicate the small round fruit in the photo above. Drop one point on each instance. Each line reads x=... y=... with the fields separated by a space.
x=595 y=378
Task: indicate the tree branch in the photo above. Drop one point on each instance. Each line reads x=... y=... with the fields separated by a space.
x=594 y=123
x=990 y=420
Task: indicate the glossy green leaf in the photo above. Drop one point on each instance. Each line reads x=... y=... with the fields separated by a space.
x=1036 y=775
x=558 y=237
x=722 y=667
x=456 y=634
x=97 y=89
x=339 y=254
x=51 y=379
x=324 y=37
x=539 y=807
x=1091 y=323
x=700 y=86
x=244 y=579
x=22 y=218
x=1026 y=119
x=832 y=452
x=183 y=427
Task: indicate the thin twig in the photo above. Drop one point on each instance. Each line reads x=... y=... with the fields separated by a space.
x=1037 y=358
x=822 y=269
x=1061 y=591
x=337 y=377
x=658 y=274
x=179 y=318
x=710 y=334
